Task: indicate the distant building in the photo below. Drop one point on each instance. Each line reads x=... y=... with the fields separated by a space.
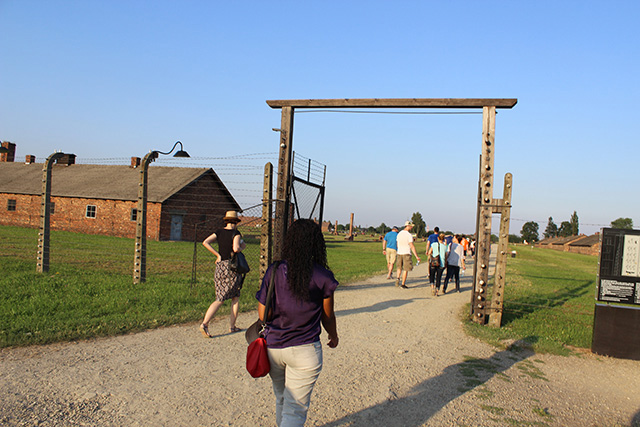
x=588 y=245
x=102 y=199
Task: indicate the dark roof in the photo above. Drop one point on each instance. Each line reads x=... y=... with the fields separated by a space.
x=565 y=240
x=100 y=181
x=547 y=241
x=587 y=241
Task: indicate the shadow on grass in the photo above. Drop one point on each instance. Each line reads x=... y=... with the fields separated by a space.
x=516 y=308
x=427 y=398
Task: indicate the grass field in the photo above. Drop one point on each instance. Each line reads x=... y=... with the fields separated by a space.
x=88 y=291
x=549 y=301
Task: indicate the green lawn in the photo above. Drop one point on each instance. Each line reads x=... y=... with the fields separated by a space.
x=88 y=291
x=549 y=300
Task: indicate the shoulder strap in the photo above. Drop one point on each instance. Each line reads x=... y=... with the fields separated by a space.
x=270 y=291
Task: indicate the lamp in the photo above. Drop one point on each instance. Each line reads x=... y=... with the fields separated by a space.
x=179 y=153
x=140 y=255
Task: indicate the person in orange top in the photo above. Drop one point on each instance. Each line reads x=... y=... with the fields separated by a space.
x=465 y=245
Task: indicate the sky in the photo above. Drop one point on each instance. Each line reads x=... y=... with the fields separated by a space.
x=107 y=80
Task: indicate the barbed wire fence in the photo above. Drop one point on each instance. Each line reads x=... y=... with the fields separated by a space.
x=243 y=177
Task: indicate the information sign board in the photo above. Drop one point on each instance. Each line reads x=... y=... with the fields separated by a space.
x=616 y=320
x=619 y=278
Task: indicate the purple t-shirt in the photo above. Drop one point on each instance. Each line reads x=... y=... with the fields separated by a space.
x=296 y=322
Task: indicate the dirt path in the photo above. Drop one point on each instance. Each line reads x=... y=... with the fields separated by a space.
x=403 y=360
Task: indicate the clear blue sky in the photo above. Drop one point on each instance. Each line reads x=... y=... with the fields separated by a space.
x=114 y=79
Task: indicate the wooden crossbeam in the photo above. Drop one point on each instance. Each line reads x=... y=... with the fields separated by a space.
x=396 y=103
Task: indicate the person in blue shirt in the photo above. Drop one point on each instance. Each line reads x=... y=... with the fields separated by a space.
x=432 y=239
x=390 y=249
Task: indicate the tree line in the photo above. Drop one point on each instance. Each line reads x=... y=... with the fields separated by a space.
x=529 y=230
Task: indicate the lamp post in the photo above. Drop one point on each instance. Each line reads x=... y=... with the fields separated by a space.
x=42 y=256
x=140 y=256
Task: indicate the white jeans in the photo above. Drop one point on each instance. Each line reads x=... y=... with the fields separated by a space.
x=294 y=371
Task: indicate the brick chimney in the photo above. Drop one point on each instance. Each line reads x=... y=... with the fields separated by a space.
x=29 y=158
x=67 y=160
x=10 y=155
x=135 y=162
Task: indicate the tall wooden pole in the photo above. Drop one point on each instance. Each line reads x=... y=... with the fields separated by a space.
x=284 y=181
x=504 y=208
x=267 y=220
x=483 y=243
x=351 y=226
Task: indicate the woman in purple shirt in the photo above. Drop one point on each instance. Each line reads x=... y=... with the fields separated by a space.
x=303 y=300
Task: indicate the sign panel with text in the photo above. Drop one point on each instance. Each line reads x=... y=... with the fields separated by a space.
x=619 y=278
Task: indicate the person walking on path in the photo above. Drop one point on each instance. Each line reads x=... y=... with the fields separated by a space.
x=465 y=244
x=405 y=248
x=455 y=261
x=433 y=238
x=228 y=283
x=390 y=249
x=439 y=250
x=303 y=299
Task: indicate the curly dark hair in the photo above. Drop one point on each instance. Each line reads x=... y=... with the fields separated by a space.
x=304 y=246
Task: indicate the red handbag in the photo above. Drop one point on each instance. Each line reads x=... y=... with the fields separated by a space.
x=257 y=358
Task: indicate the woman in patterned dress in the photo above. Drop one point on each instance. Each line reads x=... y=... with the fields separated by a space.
x=228 y=283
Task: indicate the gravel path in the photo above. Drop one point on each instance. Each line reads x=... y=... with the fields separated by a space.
x=403 y=360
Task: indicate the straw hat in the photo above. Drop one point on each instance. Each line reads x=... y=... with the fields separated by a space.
x=231 y=216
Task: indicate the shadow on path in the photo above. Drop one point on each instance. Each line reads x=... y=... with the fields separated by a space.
x=380 y=306
x=427 y=398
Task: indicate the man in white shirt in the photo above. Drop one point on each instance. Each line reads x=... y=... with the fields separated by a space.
x=405 y=248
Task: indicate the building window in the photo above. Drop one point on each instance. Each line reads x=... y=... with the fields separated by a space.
x=91 y=211
x=11 y=204
x=52 y=208
x=134 y=214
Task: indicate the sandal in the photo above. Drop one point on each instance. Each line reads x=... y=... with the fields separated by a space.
x=205 y=331
x=234 y=330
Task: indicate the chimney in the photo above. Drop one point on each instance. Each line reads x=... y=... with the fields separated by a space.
x=67 y=160
x=30 y=158
x=135 y=162
x=10 y=155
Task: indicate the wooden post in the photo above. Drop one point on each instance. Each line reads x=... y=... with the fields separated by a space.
x=483 y=244
x=284 y=181
x=42 y=255
x=140 y=253
x=351 y=225
x=504 y=208
x=267 y=216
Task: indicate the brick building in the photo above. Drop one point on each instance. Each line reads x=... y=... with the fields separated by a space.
x=102 y=199
x=582 y=244
x=590 y=245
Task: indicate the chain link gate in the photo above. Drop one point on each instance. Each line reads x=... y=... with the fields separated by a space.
x=307 y=196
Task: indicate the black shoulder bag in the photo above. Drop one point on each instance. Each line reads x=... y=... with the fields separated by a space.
x=239 y=263
x=257 y=328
